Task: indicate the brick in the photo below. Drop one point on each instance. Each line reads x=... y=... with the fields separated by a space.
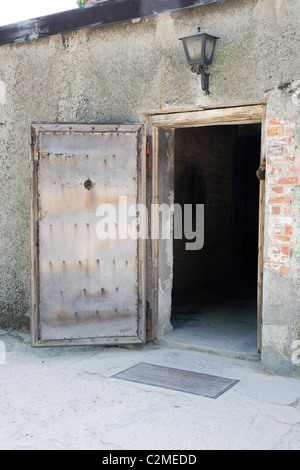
x=285 y=250
x=278 y=259
x=280 y=122
x=277 y=189
x=275 y=210
x=287 y=211
x=275 y=131
x=284 y=270
x=287 y=190
x=286 y=139
x=274 y=170
x=279 y=200
x=282 y=238
x=274 y=123
x=280 y=159
x=288 y=230
x=288 y=180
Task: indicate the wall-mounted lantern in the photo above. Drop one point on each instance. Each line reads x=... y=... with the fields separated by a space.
x=199 y=50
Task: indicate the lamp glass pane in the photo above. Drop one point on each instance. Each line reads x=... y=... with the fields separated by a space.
x=194 y=47
x=209 y=49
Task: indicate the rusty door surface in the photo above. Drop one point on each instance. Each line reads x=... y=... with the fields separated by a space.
x=87 y=286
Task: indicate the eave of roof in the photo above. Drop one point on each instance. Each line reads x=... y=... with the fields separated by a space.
x=100 y=14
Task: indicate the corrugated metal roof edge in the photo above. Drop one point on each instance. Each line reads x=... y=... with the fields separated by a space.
x=100 y=14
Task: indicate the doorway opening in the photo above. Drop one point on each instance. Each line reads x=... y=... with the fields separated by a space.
x=214 y=294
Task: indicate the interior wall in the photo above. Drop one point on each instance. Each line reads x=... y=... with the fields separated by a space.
x=216 y=166
x=203 y=175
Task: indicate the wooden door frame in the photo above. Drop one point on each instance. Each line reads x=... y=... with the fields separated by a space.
x=210 y=117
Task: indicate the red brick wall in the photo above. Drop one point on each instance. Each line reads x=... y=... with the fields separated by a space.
x=281 y=178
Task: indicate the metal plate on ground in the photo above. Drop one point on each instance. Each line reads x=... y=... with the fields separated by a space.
x=177 y=379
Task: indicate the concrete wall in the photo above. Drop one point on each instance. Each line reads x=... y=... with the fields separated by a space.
x=115 y=73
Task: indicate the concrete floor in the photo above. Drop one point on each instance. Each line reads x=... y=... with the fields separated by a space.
x=68 y=399
x=214 y=322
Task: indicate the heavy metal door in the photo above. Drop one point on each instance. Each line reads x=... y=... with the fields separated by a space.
x=87 y=284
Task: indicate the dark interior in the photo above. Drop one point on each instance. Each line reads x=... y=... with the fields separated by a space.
x=216 y=166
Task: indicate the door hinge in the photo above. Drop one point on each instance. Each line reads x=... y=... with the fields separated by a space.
x=149 y=153
x=261 y=172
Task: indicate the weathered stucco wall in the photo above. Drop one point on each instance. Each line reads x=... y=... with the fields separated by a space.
x=115 y=73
